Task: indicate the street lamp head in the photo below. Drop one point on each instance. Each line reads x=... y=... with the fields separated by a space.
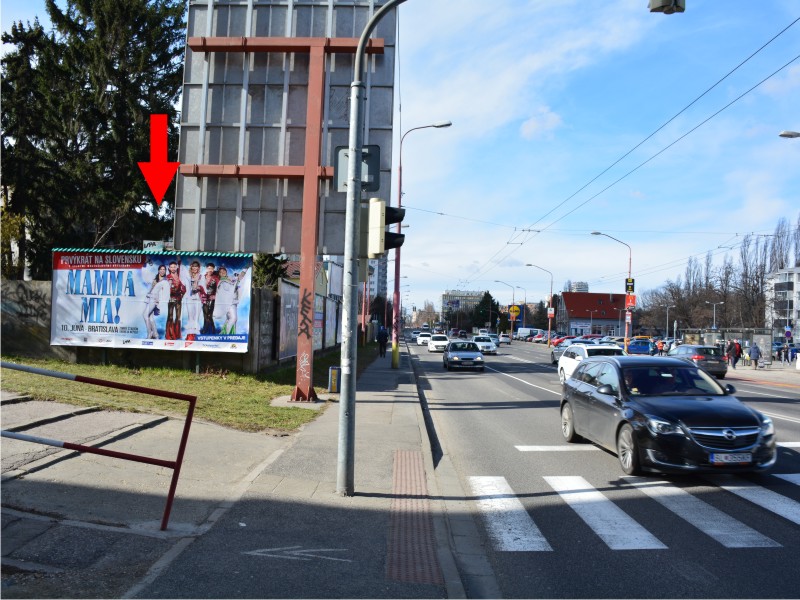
x=598 y=233
x=441 y=124
x=789 y=134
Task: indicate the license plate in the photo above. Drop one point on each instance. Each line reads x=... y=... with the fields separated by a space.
x=731 y=459
x=466 y=362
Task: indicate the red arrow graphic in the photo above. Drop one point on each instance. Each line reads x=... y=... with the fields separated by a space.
x=158 y=172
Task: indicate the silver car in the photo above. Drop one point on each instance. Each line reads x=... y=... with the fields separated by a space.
x=485 y=344
x=461 y=354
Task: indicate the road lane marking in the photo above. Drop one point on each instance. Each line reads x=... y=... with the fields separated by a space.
x=713 y=522
x=771 y=501
x=607 y=520
x=508 y=524
x=782 y=417
x=573 y=448
x=790 y=477
x=523 y=381
x=789 y=444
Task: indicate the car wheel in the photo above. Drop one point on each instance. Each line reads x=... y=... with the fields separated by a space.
x=568 y=424
x=720 y=376
x=444 y=365
x=561 y=377
x=628 y=451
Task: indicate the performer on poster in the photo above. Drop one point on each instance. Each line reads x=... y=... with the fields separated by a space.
x=228 y=299
x=193 y=282
x=176 y=292
x=159 y=291
x=210 y=281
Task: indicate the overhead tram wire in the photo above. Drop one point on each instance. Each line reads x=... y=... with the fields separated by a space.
x=532 y=225
x=664 y=149
x=679 y=113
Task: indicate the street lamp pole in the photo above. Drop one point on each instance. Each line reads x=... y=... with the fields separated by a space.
x=512 y=304
x=666 y=329
x=630 y=260
x=345 y=467
x=525 y=309
x=714 y=304
x=549 y=302
x=591 y=319
x=396 y=295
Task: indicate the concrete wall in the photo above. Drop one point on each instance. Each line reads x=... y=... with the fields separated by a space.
x=25 y=323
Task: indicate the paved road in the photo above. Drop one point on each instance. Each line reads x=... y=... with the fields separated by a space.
x=560 y=520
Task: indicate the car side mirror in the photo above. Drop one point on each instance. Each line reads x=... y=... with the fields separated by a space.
x=606 y=389
x=730 y=389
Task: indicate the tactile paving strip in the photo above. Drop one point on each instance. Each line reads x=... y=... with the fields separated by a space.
x=411 y=556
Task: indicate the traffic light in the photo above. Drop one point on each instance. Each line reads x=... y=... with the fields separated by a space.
x=380 y=216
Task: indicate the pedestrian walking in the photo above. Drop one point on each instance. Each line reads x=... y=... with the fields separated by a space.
x=737 y=352
x=755 y=354
x=785 y=353
x=660 y=346
x=730 y=351
x=383 y=337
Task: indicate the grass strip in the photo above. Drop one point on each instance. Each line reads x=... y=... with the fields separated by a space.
x=235 y=400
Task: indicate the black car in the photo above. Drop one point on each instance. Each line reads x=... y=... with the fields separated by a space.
x=710 y=358
x=664 y=414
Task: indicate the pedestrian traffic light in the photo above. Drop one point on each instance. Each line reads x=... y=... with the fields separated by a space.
x=380 y=216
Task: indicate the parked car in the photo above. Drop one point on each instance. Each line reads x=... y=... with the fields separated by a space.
x=664 y=414
x=485 y=344
x=423 y=338
x=504 y=338
x=710 y=358
x=462 y=355
x=641 y=347
x=438 y=342
x=575 y=353
x=559 y=339
x=539 y=338
x=557 y=351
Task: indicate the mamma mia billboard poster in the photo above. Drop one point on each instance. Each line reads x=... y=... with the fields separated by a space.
x=196 y=301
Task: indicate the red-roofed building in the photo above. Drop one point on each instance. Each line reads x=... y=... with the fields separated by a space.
x=584 y=312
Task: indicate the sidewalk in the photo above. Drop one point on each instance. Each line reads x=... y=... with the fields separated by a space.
x=781 y=374
x=254 y=515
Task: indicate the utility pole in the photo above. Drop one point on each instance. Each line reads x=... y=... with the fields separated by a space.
x=347 y=404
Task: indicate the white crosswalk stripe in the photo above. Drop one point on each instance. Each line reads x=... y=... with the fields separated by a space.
x=511 y=528
x=790 y=477
x=761 y=496
x=713 y=522
x=611 y=523
x=508 y=524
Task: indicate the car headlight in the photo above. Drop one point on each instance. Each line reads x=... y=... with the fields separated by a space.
x=454 y=358
x=662 y=427
x=479 y=358
x=767 y=428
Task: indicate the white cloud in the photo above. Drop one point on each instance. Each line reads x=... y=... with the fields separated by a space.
x=542 y=123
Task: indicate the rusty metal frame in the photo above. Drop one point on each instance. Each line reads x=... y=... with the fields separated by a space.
x=310 y=172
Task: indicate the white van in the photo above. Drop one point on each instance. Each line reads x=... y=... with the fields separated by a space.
x=523 y=332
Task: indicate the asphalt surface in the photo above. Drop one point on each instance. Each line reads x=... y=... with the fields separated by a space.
x=255 y=515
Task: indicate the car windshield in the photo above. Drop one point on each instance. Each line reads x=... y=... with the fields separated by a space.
x=604 y=351
x=439 y=338
x=463 y=347
x=670 y=381
x=482 y=339
x=708 y=351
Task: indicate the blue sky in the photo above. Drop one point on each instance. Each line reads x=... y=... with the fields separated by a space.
x=545 y=96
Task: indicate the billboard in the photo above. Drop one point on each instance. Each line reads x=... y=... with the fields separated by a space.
x=195 y=301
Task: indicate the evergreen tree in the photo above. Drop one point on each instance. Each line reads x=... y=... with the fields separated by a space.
x=95 y=81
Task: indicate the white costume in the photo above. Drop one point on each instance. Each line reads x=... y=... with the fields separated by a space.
x=228 y=302
x=159 y=292
x=192 y=300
